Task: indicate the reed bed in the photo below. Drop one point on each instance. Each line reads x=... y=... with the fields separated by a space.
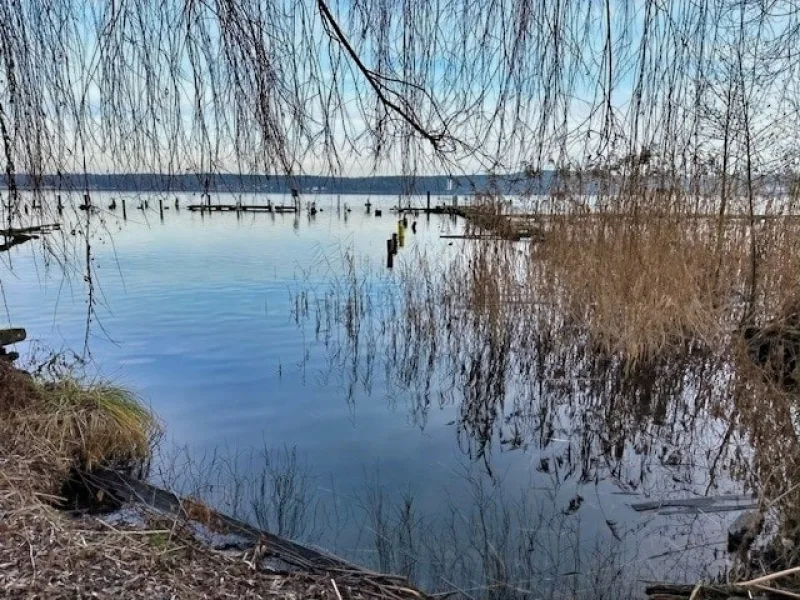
x=627 y=328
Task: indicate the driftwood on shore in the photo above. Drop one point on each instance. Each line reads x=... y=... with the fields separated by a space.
x=722 y=503
x=777 y=584
x=273 y=551
x=12 y=336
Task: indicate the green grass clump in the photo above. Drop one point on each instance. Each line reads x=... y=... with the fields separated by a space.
x=97 y=424
x=74 y=423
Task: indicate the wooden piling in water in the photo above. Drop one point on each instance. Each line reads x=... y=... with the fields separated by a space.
x=60 y=205
x=389 y=254
x=394 y=243
x=429 y=201
x=124 y=211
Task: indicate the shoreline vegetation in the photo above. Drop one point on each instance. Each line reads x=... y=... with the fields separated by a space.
x=658 y=315
x=56 y=439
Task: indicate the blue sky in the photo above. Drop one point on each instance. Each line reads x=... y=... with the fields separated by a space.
x=514 y=82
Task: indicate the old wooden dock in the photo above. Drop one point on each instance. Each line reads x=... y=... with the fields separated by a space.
x=269 y=208
x=493 y=225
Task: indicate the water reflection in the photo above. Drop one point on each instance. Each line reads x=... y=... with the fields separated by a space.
x=525 y=377
x=522 y=377
x=465 y=349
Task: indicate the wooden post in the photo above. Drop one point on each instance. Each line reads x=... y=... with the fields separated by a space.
x=161 y=208
x=389 y=253
x=12 y=336
x=394 y=243
x=60 y=205
x=124 y=211
x=429 y=202
x=177 y=204
x=86 y=200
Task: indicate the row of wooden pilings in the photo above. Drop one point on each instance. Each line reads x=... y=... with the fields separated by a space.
x=87 y=205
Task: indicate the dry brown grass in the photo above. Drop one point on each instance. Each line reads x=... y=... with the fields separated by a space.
x=46 y=554
x=642 y=275
x=70 y=424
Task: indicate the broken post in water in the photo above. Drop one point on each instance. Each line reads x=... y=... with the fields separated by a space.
x=161 y=208
x=8 y=337
x=124 y=211
x=389 y=254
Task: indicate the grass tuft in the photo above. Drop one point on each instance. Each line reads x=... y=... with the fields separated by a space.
x=76 y=424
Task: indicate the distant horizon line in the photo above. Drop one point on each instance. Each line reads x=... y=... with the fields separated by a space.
x=273 y=176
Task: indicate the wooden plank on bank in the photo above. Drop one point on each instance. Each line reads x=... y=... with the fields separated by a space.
x=29 y=230
x=705 y=503
x=130 y=490
x=12 y=336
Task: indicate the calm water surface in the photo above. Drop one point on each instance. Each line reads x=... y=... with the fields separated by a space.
x=199 y=315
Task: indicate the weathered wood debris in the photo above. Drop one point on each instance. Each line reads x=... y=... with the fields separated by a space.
x=14 y=236
x=266 y=551
x=701 y=504
x=7 y=338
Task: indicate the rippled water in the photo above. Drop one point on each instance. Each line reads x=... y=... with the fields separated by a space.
x=201 y=316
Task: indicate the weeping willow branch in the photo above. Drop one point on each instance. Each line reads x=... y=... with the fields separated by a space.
x=302 y=86
x=374 y=79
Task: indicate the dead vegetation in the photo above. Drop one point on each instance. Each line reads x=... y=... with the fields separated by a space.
x=49 y=432
x=80 y=425
x=45 y=554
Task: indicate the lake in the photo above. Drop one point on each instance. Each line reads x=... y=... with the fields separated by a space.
x=230 y=327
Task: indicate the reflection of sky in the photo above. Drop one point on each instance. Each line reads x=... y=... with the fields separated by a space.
x=196 y=317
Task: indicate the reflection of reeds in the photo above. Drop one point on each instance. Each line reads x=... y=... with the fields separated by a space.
x=618 y=331
x=270 y=487
x=483 y=543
